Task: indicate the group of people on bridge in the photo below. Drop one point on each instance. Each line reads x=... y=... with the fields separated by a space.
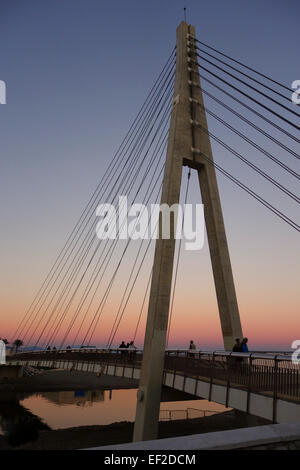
x=128 y=348
x=239 y=346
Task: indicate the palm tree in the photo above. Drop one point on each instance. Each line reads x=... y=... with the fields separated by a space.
x=5 y=341
x=18 y=343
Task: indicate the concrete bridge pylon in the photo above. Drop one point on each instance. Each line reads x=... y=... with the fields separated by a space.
x=187 y=144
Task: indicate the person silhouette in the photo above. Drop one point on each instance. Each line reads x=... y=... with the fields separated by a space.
x=237 y=347
x=244 y=345
x=122 y=346
x=192 y=349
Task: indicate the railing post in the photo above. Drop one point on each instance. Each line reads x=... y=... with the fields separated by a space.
x=211 y=376
x=196 y=385
x=275 y=383
x=249 y=383
x=184 y=379
x=228 y=378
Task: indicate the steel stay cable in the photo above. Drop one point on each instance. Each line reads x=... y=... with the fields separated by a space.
x=136 y=255
x=72 y=235
x=96 y=315
x=158 y=154
x=291 y=136
x=270 y=110
x=132 y=287
x=132 y=269
x=251 y=165
x=164 y=116
x=95 y=274
x=246 y=75
x=108 y=262
x=128 y=172
x=142 y=307
x=252 y=193
x=243 y=65
x=128 y=159
x=257 y=129
x=111 y=249
x=251 y=142
x=177 y=262
x=104 y=297
x=133 y=176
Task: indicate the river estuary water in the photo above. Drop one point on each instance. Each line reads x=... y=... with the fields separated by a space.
x=65 y=409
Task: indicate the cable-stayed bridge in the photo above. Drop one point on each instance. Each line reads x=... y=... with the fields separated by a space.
x=170 y=132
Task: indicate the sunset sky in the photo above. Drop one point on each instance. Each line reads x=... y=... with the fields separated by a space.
x=77 y=72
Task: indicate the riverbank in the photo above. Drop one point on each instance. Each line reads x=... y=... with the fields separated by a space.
x=57 y=380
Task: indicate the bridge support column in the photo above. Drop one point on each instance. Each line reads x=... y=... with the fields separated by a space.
x=216 y=235
x=184 y=137
x=179 y=145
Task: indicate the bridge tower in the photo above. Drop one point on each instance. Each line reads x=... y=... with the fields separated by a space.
x=185 y=144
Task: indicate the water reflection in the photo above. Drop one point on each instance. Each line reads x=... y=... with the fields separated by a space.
x=25 y=415
x=83 y=408
x=78 y=398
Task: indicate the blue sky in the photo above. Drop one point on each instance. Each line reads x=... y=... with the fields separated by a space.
x=77 y=71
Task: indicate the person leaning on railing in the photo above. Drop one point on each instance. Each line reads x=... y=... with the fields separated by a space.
x=131 y=350
x=237 y=348
x=244 y=345
x=192 y=349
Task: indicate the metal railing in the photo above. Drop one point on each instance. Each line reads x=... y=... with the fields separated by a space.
x=188 y=413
